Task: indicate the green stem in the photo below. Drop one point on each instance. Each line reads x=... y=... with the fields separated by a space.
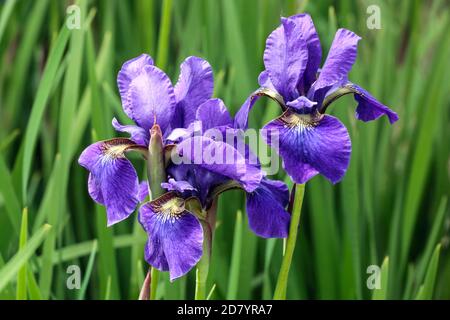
x=154 y=276
x=280 y=290
x=156 y=173
x=201 y=274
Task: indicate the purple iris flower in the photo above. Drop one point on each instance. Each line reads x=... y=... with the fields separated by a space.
x=172 y=221
x=148 y=97
x=194 y=183
x=310 y=142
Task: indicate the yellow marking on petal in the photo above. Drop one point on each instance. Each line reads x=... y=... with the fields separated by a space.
x=169 y=207
x=303 y=121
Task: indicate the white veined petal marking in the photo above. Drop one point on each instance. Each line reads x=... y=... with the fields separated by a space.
x=115 y=148
x=300 y=121
x=169 y=207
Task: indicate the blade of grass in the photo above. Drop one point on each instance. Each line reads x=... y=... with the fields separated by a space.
x=6 y=13
x=12 y=204
x=233 y=279
x=87 y=274
x=164 y=34
x=39 y=105
x=381 y=294
x=427 y=289
x=21 y=293
x=13 y=266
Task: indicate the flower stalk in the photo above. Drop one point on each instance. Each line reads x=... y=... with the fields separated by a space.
x=156 y=176
x=280 y=289
x=201 y=274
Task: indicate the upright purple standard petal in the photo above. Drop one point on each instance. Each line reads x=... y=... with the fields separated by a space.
x=131 y=70
x=151 y=98
x=175 y=236
x=195 y=85
x=309 y=146
x=266 y=205
x=285 y=58
x=371 y=109
x=138 y=134
x=213 y=113
x=309 y=33
x=113 y=181
x=340 y=60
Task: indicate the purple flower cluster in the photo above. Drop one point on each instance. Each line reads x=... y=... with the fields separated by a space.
x=310 y=142
x=175 y=232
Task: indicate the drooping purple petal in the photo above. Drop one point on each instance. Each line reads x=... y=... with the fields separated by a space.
x=302 y=105
x=138 y=134
x=113 y=181
x=369 y=108
x=213 y=113
x=177 y=185
x=94 y=189
x=175 y=236
x=286 y=57
x=151 y=98
x=310 y=146
x=195 y=85
x=266 y=205
x=340 y=60
x=143 y=191
x=131 y=70
x=241 y=117
x=221 y=158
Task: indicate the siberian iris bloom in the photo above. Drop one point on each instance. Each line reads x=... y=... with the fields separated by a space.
x=310 y=141
x=148 y=97
x=208 y=165
x=175 y=221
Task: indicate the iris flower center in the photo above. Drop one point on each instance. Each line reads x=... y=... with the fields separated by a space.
x=304 y=121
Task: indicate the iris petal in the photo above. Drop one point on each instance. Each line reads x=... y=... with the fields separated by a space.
x=286 y=57
x=221 y=158
x=177 y=185
x=309 y=33
x=195 y=85
x=371 y=109
x=138 y=134
x=267 y=216
x=340 y=60
x=213 y=113
x=131 y=70
x=310 y=146
x=175 y=236
x=113 y=181
x=151 y=98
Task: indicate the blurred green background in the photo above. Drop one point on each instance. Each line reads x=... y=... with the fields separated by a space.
x=58 y=94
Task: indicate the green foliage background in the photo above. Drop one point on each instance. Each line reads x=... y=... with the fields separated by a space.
x=58 y=94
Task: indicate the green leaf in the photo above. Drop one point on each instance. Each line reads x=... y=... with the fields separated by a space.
x=87 y=273
x=381 y=294
x=233 y=279
x=39 y=105
x=427 y=289
x=13 y=266
x=21 y=293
